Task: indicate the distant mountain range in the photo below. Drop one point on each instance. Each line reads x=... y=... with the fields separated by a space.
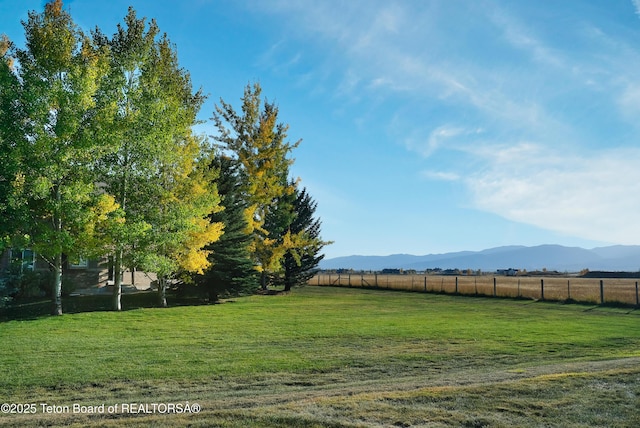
x=551 y=257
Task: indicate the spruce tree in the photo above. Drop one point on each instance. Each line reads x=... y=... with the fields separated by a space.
x=259 y=145
x=231 y=270
x=278 y=225
x=300 y=264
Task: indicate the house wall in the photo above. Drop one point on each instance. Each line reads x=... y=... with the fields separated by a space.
x=97 y=275
x=92 y=276
x=141 y=280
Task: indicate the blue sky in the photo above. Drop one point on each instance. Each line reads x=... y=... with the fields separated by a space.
x=428 y=126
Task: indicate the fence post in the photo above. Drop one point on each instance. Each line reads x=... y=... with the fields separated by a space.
x=475 y=282
x=456 y=285
x=541 y=288
x=602 y=292
x=494 y=286
x=637 y=301
x=519 y=287
x=568 y=290
x=425 y=285
x=376 y=278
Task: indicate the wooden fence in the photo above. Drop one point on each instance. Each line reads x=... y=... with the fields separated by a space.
x=584 y=290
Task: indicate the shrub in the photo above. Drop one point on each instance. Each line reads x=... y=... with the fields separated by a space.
x=5 y=294
x=46 y=284
x=17 y=283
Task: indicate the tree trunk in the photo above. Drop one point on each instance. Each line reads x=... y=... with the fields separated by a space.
x=117 y=281
x=263 y=280
x=57 y=268
x=162 y=292
x=288 y=278
x=213 y=296
x=117 y=266
x=57 y=286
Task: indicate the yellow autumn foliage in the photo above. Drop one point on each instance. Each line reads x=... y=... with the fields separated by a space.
x=195 y=261
x=105 y=205
x=195 y=258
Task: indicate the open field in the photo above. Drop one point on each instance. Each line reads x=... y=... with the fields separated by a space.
x=326 y=356
x=556 y=288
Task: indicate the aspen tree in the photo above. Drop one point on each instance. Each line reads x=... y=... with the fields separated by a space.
x=165 y=198
x=57 y=76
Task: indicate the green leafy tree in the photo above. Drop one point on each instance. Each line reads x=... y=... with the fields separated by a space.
x=153 y=109
x=232 y=270
x=10 y=136
x=128 y=93
x=54 y=189
x=260 y=146
x=186 y=196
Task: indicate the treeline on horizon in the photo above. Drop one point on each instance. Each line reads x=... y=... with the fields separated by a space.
x=98 y=158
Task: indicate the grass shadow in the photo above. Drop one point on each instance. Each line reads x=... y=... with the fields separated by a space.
x=31 y=309
x=34 y=308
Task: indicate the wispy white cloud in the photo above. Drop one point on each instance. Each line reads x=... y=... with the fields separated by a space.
x=517 y=34
x=278 y=59
x=427 y=145
x=449 y=137
x=440 y=175
x=591 y=196
x=628 y=101
x=636 y=5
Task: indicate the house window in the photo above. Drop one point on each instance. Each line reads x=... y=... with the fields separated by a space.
x=25 y=258
x=79 y=264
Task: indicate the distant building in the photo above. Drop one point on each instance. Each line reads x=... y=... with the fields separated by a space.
x=507 y=272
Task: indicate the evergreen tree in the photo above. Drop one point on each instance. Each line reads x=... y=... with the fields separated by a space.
x=278 y=225
x=260 y=147
x=300 y=263
x=232 y=270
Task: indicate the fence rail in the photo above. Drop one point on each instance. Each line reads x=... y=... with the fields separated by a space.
x=584 y=290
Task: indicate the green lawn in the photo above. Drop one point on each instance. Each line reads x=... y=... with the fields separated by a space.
x=331 y=357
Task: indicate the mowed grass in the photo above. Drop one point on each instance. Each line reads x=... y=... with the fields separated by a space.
x=322 y=356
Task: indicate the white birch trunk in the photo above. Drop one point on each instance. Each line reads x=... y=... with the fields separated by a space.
x=117 y=281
